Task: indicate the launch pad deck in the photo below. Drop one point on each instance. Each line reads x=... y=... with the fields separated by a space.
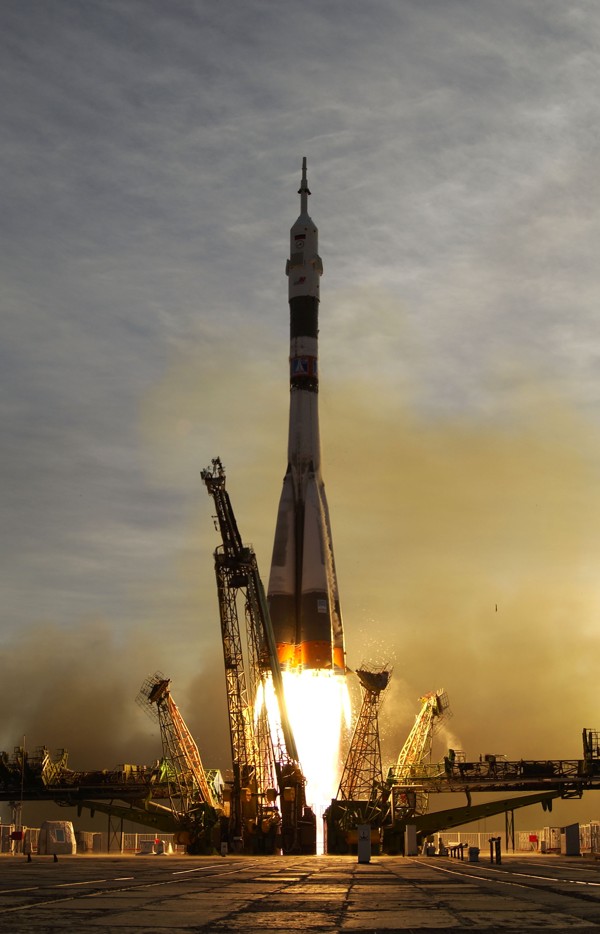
x=245 y=895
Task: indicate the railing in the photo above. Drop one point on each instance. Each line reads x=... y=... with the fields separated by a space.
x=499 y=774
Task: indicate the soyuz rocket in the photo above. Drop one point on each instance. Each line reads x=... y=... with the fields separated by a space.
x=303 y=593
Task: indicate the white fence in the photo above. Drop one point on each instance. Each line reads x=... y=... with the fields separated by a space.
x=546 y=840
x=139 y=842
x=89 y=842
x=471 y=838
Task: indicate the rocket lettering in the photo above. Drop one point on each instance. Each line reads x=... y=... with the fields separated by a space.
x=303 y=592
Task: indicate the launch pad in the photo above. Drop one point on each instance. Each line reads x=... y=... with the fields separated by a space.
x=241 y=896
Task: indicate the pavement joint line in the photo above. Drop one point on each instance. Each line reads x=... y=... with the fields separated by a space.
x=72 y=898
x=530 y=875
x=67 y=898
x=150 y=885
x=468 y=875
x=570 y=881
x=48 y=901
x=29 y=888
x=519 y=885
x=64 y=885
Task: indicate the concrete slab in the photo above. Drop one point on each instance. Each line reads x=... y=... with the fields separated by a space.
x=384 y=903
x=486 y=902
x=245 y=895
x=400 y=920
x=523 y=920
x=331 y=891
x=279 y=921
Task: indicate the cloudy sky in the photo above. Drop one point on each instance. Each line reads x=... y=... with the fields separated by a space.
x=150 y=161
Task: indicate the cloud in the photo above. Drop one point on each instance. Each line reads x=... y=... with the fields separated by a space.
x=465 y=548
x=464 y=542
x=75 y=690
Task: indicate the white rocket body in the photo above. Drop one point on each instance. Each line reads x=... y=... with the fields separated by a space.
x=302 y=593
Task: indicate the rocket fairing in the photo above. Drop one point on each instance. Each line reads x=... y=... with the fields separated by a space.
x=303 y=593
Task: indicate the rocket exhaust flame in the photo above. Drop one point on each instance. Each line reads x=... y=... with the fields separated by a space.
x=318 y=707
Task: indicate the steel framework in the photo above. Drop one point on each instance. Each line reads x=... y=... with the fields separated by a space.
x=362 y=775
x=184 y=770
x=417 y=749
x=264 y=753
x=362 y=796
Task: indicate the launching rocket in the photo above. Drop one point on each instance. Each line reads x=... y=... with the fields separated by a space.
x=303 y=592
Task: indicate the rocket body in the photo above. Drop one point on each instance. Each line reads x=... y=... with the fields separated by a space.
x=303 y=593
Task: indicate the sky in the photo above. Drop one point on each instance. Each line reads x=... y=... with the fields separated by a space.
x=150 y=161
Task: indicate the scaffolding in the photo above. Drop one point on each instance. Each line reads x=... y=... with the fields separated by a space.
x=416 y=752
x=263 y=749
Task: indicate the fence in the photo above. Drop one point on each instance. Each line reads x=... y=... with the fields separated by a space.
x=470 y=838
x=140 y=842
x=546 y=840
x=87 y=842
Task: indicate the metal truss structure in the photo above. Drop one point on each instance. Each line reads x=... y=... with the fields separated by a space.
x=361 y=796
x=264 y=753
x=184 y=771
x=362 y=777
x=417 y=748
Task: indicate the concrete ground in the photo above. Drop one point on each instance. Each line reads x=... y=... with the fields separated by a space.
x=243 y=895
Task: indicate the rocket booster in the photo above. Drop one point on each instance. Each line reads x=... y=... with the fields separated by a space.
x=303 y=592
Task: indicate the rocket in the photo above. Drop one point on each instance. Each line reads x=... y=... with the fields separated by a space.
x=303 y=592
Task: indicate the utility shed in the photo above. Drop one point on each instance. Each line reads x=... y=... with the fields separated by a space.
x=57 y=836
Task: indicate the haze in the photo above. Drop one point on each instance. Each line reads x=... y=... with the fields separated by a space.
x=150 y=162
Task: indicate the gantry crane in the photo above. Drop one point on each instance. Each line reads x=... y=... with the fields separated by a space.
x=264 y=753
x=194 y=804
x=362 y=795
x=416 y=750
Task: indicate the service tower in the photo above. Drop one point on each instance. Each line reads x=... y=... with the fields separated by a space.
x=303 y=593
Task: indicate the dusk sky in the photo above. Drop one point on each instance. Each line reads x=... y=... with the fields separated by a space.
x=150 y=159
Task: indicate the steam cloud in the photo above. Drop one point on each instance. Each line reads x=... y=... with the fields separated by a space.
x=465 y=549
